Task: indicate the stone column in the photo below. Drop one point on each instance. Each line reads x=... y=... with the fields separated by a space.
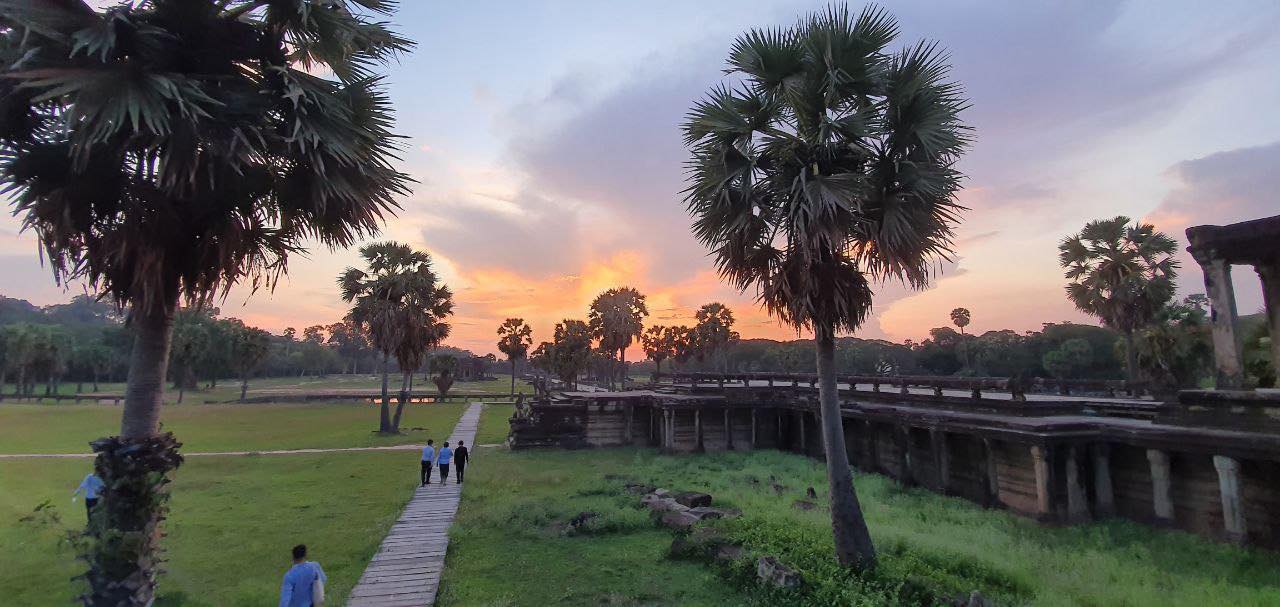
x=1222 y=299
x=804 y=443
x=992 y=472
x=728 y=430
x=753 y=428
x=1103 y=495
x=1161 y=485
x=630 y=414
x=1270 y=275
x=697 y=430
x=1040 y=456
x=778 y=430
x=1077 y=498
x=941 y=459
x=904 y=440
x=667 y=440
x=1233 y=518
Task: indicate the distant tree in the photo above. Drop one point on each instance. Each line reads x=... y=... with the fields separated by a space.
x=189 y=342
x=616 y=318
x=400 y=305
x=443 y=368
x=1122 y=272
x=514 y=338
x=1072 y=356
x=1175 y=349
x=249 y=348
x=658 y=344
x=715 y=332
x=828 y=157
x=570 y=350
x=21 y=351
x=960 y=318
x=350 y=343
x=684 y=344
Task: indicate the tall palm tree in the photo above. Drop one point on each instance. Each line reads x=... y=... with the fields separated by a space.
x=715 y=331
x=400 y=304
x=1122 y=272
x=514 y=338
x=169 y=149
x=828 y=163
x=658 y=344
x=960 y=317
x=616 y=318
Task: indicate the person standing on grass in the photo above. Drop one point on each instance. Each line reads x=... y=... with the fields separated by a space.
x=462 y=456
x=428 y=460
x=446 y=456
x=91 y=487
x=303 y=584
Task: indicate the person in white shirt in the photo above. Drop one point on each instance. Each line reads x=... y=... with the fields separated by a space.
x=91 y=487
x=428 y=460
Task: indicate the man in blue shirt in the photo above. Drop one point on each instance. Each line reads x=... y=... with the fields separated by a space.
x=300 y=580
x=428 y=458
x=91 y=487
x=446 y=456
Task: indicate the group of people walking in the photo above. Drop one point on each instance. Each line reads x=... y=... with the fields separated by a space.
x=443 y=458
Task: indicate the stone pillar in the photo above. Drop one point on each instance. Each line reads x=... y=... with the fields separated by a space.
x=904 y=440
x=778 y=431
x=728 y=430
x=1233 y=518
x=1044 y=490
x=753 y=428
x=1077 y=498
x=941 y=459
x=630 y=414
x=992 y=472
x=1222 y=299
x=804 y=443
x=667 y=440
x=1161 y=485
x=1103 y=494
x=1270 y=275
x=697 y=430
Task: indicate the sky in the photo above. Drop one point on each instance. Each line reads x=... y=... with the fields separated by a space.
x=544 y=139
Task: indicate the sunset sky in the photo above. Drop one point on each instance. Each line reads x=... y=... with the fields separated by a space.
x=544 y=139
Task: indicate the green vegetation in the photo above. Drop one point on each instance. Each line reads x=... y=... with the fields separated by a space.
x=69 y=428
x=507 y=550
x=230 y=527
x=495 y=423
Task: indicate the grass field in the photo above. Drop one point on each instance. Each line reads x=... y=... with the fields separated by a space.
x=232 y=523
x=495 y=423
x=506 y=550
x=63 y=428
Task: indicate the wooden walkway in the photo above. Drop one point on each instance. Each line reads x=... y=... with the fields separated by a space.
x=406 y=570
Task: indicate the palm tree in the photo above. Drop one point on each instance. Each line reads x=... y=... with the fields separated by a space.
x=249 y=347
x=169 y=149
x=829 y=162
x=715 y=331
x=400 y=305
x=658 y=344
x=960 y=318
x=616 y=318
x=514 y=338
x=1122 y=272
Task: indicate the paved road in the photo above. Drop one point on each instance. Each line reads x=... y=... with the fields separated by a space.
x=406 y=570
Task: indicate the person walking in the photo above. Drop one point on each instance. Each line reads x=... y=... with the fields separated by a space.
x=428 y=459
x=91 y=487
x=461 y=457
x=446 y=456
x=303 y=584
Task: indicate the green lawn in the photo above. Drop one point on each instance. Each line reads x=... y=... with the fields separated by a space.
x=495 y=423
x=505 y=550
x=63 y=428
x=232 y=524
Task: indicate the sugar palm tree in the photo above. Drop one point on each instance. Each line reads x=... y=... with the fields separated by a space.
x=400 y=304
x=715 y=331
x=960 y=318
x=830 y=162
x=169 y=149
x=514 y=338
x=1122 y=272
x=616 y=318
x=658 y=344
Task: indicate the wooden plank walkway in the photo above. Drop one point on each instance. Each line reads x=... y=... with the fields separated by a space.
x=406 y=570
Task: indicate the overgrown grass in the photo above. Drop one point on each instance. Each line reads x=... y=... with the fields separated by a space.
x=232 y=524
x=505 y=551
x=495 y=424
x=28 y=428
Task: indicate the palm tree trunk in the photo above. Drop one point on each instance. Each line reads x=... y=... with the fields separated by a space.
x=1131 y=358
x=622 y=367
x=513 y=375
x=853 y=540
x=404 y=398
x=95 y=380
x=244 y=386
x=148 y=366
x=384 y=420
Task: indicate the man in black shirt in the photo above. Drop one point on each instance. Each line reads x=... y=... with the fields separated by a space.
x=460 y=458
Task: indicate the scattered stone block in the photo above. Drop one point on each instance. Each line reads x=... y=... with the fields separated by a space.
x=805 y=505
x=662 y=504
x=811 y=494
x=660 y=492
x=708 y=512
x=679 y=520
x=728 y=553
x=771 y=571
x=638 y=489
x=693 y=499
